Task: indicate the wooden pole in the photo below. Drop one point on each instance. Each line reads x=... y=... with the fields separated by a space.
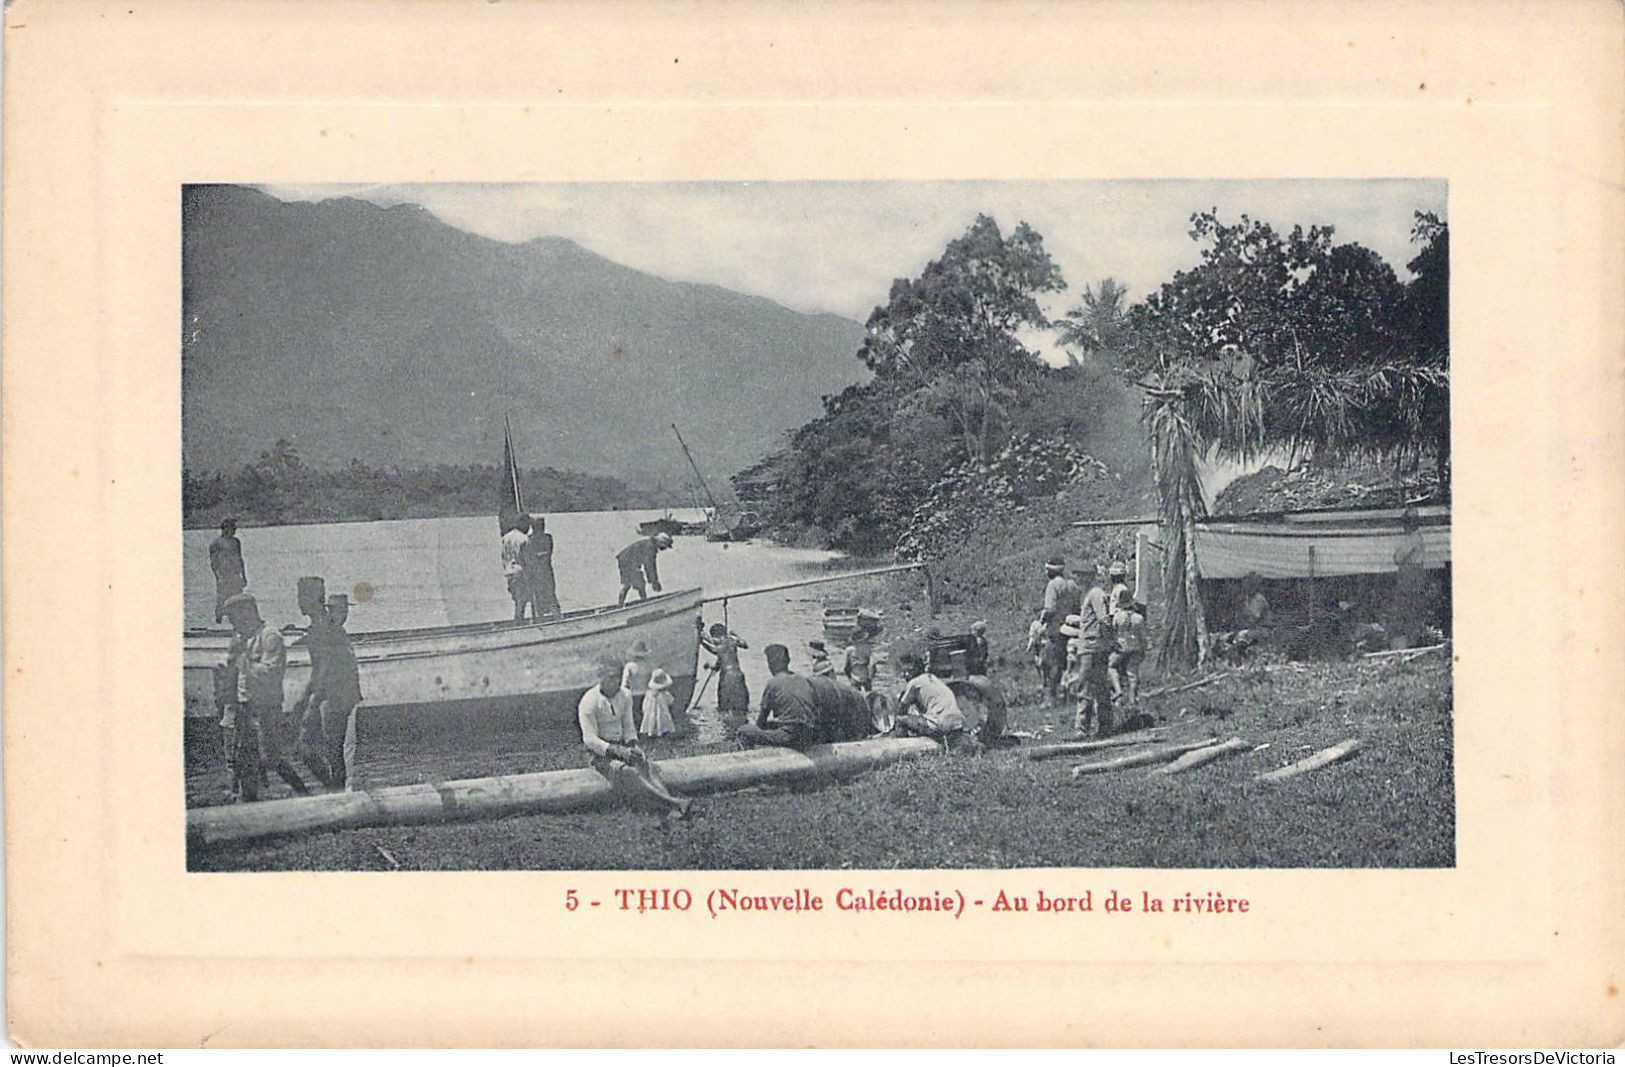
x=1403 y=653
x=1199 y=683
x=545 y=791
x=754 y=590
x=1095 y=523
x=1342 y=750
x=1199 y=757
x=1142 y=560
x=1139 y=759
x=1076 y=748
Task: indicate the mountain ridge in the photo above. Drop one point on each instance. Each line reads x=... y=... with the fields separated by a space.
x=387 y=335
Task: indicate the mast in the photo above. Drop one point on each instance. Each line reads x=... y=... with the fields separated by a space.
x=513 y=501
x=695 y=467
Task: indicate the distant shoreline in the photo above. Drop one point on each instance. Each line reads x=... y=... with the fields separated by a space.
x=246 y=524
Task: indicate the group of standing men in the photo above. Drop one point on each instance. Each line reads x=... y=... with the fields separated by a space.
x=320 y=728
x=527 y=563
x=1090 y=642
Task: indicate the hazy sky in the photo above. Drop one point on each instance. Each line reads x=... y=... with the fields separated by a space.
x=836 y=246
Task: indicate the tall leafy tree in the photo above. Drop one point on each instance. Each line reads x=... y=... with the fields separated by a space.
x=949 y=340
x=1099 y=323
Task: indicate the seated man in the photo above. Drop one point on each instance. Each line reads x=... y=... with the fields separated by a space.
x=610 y=734
x=789 y=713
x=843 y=710
x=926 y=706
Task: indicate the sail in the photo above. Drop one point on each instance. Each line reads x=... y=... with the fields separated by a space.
x=512 y=504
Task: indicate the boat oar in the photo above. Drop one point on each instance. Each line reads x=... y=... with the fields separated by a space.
x=695 y=699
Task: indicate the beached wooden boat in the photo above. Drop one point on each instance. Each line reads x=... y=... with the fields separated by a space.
x=671 y=526
x=536 y=667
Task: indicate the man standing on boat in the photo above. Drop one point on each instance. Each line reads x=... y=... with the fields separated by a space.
x=637 y=562
x=226 y=560
x=543 y=585
x=515 y=551
x=610 y=733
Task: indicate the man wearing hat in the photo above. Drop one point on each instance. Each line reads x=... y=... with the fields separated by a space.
x=226 y=560
x=259 y=660
x=1062 y=597
x=326 y=709
x=637 y=562
x=1117 y=584
x=1094 y=645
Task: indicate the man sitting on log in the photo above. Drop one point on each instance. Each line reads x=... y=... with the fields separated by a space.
x=843 y=710
x=789 y=710
x=609 y=732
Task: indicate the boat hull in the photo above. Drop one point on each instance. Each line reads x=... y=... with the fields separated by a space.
x=520 y=668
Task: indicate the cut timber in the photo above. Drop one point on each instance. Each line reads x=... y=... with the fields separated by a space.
x=1140 y=759
x=1165 y=690
x=1338 y=751
x=1200 y=756
x=1403 y=654
x=545 y=791
x=1076 y=748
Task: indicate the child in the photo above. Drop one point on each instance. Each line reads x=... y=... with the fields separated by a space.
x=1035 y=645
x=821 y=666
x=977 y=654
x=657 y=706
x=860 y=666
x=635 y=676
x=1125 y=662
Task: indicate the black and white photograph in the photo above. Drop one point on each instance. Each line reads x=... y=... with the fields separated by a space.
x=817 y=525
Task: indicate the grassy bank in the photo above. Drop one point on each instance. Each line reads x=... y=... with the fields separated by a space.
x=1392 y=805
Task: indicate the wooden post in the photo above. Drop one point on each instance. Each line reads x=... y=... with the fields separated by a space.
x=1076 y=748
x=1342 y=750
x=1199 y=757
x=1139 y=759
x=1141 y=559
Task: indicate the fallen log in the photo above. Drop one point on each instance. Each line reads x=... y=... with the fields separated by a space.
x=1165 y=690
x=1384 y=653
x=1199 y=757
x=1075 y=748
x=1140 y=759
x=1341 y=750
x=544 y=791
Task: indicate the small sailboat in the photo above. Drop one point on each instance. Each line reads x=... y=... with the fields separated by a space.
x=724 y=522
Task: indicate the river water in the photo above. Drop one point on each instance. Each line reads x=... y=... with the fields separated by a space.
x=431 y=572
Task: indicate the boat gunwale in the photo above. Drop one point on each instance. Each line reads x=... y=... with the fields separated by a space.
x=501 y=626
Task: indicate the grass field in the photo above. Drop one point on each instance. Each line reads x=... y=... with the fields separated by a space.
x=1391 y=805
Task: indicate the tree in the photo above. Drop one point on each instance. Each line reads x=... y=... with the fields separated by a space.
x=950 y=336
x=966 y=305
x=1290 y=342
x=1099 y=324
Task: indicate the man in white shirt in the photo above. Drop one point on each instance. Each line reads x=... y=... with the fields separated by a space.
x=515 y=549
x=926 y=706
x=610 y=733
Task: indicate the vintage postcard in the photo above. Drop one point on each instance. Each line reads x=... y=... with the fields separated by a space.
x=681 y=503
